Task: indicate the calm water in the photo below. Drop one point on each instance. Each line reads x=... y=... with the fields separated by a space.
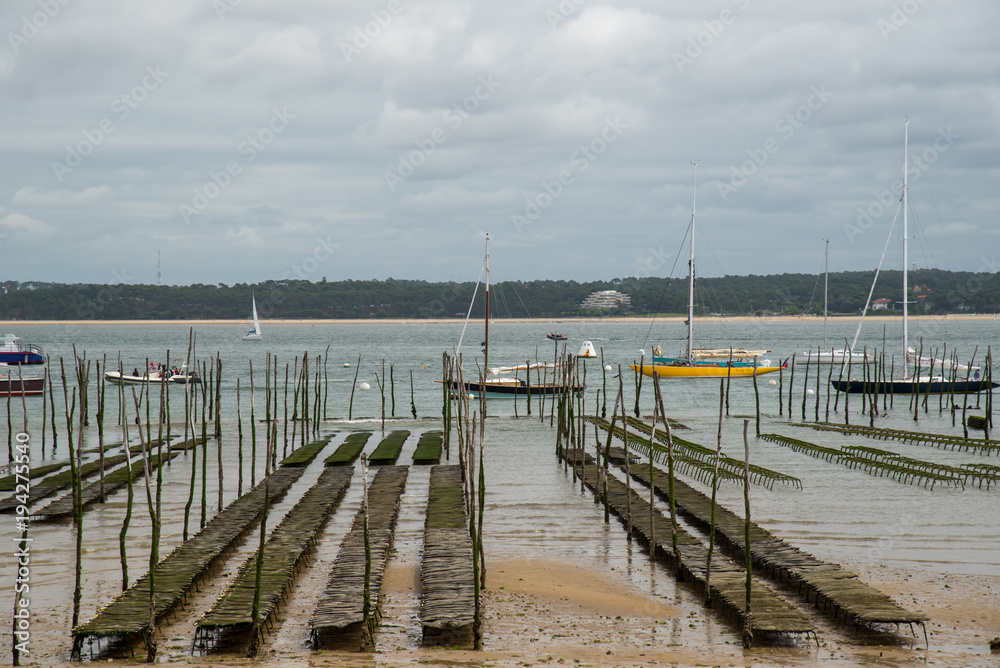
x=534 y=509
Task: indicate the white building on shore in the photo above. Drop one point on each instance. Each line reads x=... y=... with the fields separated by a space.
x=606 y=299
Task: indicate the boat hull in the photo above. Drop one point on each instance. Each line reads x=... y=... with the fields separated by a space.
x=510 y=391
x=701 y=370
x=21 y=357
x=120 y=379
x=913 y=387
x=16 y=387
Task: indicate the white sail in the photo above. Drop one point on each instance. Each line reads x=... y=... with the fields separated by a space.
x=254 y=334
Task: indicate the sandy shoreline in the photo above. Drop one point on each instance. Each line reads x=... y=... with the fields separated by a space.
x=547 y=612
x=433 y=321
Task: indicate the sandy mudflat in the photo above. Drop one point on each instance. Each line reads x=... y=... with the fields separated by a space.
x=541 y=612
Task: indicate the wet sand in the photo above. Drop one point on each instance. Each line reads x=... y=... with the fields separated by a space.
x=542 y=612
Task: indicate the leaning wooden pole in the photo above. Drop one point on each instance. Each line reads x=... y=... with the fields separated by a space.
x=670 y=479
x=75 y=477
x=128 y=479
x=715 y=488
x=747 y=626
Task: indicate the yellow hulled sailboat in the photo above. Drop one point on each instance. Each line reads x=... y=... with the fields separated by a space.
x=704 y=362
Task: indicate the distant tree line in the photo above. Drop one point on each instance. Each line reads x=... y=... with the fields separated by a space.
x=932 y=291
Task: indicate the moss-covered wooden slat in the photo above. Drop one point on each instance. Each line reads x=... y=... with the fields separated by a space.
x=341 y=619
x=830 y=587
x=349 y=451
x=674 y=424
x=8 y=483
x=944 y=441
x=770 y=617
x=232 y=614
x=304 y=455
x=387 y=452
x=126 y=618
x=46 y=487
x=881 y=463
x=692 y=459
x=63 y=506
x=428 y=450
x=447 y=603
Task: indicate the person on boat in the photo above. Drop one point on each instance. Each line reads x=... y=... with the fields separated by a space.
x=135 y=371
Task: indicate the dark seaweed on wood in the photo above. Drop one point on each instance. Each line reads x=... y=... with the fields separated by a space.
x=338 y=621
x=942 y=441
x=830 y=587
x=283 y=553
x=881 y=463
x=63 y=506
x=387 y=452
x=771 y=615
x=428 y=450
x=127 y=616
x=46 y=487
x=305 y=454
x=348 y=451
x=447 y=604
x=8 y=483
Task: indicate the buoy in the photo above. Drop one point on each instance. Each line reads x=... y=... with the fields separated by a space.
x=607 y=367
x=772 y=382
x=810 y=392
x=346 y=365
x=365 y=386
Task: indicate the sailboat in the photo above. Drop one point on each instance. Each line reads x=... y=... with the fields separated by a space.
x=704 y=362
x=497 y=385
x=254 y=334
x=916 y=384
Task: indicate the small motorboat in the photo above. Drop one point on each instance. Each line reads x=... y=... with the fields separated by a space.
x=154 y=375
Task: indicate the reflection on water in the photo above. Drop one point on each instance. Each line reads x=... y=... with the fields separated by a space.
x=534 y=508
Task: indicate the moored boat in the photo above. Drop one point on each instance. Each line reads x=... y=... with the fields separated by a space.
x=180 y=376
x=917 y=384
x=13 y=351
x=704 y=363
x=15 y=386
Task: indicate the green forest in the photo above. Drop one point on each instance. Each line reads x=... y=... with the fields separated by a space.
x=932 y=291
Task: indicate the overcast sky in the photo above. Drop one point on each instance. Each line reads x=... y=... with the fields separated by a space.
x=248 y=140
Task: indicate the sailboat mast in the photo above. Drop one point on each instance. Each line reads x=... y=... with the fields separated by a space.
x=486 y=335
x=826 y=287
x=906 y=134
x=690 y=319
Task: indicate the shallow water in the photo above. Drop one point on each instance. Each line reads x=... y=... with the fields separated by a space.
x=534 y=509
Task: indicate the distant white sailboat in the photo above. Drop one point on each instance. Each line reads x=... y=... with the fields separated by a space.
x=254 y=334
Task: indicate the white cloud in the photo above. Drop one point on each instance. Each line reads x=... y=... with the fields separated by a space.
x=18 y=222
x=325 y=172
